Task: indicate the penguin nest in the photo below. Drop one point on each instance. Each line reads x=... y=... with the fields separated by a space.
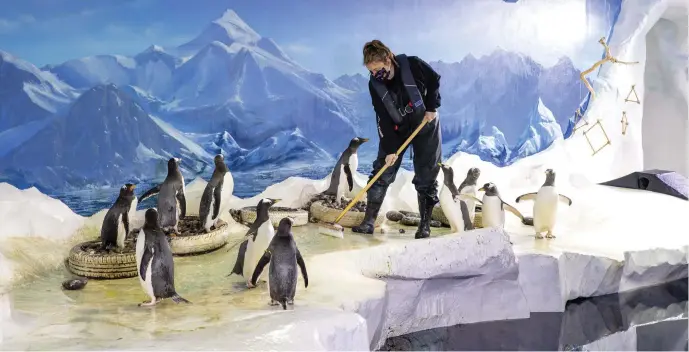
x=330 y=202
x=191 y=226
x=94 y=248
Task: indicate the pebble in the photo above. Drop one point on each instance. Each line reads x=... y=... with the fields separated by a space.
x=74 y=284
x=393 y=215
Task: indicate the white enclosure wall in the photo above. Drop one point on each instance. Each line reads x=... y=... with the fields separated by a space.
x=652 y=33
x=665 y=125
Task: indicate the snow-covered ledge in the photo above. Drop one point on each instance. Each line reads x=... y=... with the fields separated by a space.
x=409 y=286
x=415 y=285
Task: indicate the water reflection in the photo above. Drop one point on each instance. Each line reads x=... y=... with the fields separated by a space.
x=655 y=317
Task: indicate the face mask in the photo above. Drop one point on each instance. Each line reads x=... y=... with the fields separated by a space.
x=382 y=74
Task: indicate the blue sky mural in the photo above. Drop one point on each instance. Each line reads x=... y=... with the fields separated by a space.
x=114 y=88
x=323 y=36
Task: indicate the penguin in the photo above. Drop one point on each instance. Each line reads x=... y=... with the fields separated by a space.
x=155 y=267
x=172 y=204
x=216 y=191
x=456 y=209
x=493 y=208
x=468 y=186
x=342 y=178
x=258 y=238
x=116 y=224
x=545 y=205
x=284 y=256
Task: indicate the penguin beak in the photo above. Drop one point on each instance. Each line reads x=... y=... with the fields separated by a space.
x=132 y=187
x=364 y=140
x=440 y=164
x=482 y=189
x=276 y=200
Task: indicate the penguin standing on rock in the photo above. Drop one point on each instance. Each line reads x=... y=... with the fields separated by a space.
x=284 y=256
x=116 y=224
x=545 y=205
x=342 y=178
x=493 y=208
x=260 y=234
x=156 y=269
x=172 y=204
x=216 y=192
x=468 y=186
x=455 y=209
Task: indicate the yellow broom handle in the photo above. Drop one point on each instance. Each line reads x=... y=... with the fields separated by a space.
x=380 y=172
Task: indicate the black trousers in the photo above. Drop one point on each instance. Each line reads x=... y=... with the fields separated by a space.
x=427 y=154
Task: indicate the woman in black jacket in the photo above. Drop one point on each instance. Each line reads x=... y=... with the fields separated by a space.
x=404 y=91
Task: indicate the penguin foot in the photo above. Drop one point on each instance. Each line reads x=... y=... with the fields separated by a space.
x=539 y=236
x=249 y=285
x=290 y=301
x=148 y=303
x=274 y=303
x=549 y=235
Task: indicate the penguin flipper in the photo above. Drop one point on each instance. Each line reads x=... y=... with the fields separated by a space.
x=239 y=264
x=217 y=196
x=145 y=259
x=182 y=203
x=253 y=231
x=204 y=206
x=527 y=196
x=350 y=180
x=513 y=210
x=468 y=224
x=259 y=266
x=465 y=196
x=565 y=199
x=302 y=266
x=150 y=193
x=125 y=222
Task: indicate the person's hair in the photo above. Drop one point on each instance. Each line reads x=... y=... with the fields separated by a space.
x=375 y=50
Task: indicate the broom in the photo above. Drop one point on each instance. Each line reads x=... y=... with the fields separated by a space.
x=336 y=230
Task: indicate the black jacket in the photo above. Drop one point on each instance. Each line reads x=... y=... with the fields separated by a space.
x=428 y=82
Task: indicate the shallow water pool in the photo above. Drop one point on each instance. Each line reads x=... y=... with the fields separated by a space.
x=43 y=316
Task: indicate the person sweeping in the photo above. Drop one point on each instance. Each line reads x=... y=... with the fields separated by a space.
x=404 y=92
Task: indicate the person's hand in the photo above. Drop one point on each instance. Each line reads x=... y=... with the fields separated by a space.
x=390 y=159
x=430 y=116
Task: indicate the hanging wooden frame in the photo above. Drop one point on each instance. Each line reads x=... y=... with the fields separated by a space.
x=578 y=117
x=624 y=122
x=607 y=139
x=636 y=96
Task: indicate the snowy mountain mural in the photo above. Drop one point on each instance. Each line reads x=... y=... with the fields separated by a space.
x=103 y=120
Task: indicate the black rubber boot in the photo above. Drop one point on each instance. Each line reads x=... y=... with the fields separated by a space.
x=368 y=225
x=373 y=204
x=426 y=211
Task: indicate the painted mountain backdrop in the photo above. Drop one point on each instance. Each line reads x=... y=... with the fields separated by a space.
x=104 y=120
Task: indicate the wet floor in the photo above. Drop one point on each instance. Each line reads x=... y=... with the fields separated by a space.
x=42 y=314
x=650 y=319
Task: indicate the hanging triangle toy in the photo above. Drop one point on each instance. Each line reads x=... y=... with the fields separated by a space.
x=636 y=96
